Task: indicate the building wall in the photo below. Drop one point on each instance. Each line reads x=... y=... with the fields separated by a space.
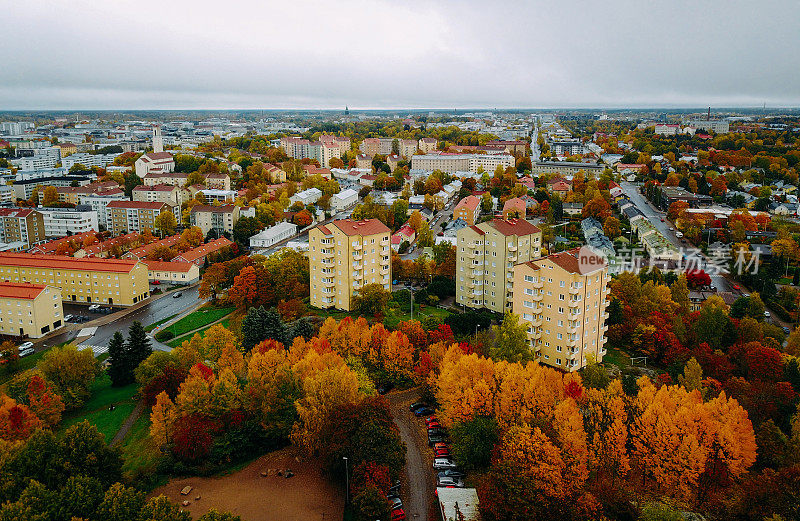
x=485 y=265
x=340 y=265
x=564 y=312
x=176 y=277
x=32 y=318
x=119 y=289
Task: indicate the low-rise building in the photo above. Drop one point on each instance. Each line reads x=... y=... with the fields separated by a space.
x=29 y=310
x=172 y=272
x=273 y=235
x=212 y=195
x=108 y=281
x=562 y=300
x=161 y=193
x=198 y=255
x=306 y=197
x=514 y=208
x=344 y=200
x=405 y=234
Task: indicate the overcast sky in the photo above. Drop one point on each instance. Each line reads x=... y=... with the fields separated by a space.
x=195 y=54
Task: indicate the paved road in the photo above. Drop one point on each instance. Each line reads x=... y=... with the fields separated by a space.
x=418 y=479
x=655 y=216
x=153 y=312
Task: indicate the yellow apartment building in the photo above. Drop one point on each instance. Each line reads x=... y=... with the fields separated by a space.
x=29 y=310
x=344 y=256
x=486 y=256
x=562 y=300
x=118 y=282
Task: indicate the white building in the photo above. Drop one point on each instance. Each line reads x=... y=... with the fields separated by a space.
x=157 y=161
x=98 y=202
x=89 y=160
x=223 y=196
x=270 y=236
x=307 y=197
x=451 y=163
x=343 y=200
x=7 y=195
x=43 y=157
x=60 y=222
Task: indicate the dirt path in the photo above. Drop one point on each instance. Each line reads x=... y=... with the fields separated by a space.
x=308 y=496
x=418 y=482
x=128 y=423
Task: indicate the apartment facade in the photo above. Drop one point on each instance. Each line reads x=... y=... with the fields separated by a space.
x=451 y=163
x=344 y=256
x=60 y=222
x=562 y=299
x=468 y=209
x=486 y=256
x=29 y=310
x=90 y=280
x=135 y=216
x=161 y=193
x=221 y=219
x=21 y=225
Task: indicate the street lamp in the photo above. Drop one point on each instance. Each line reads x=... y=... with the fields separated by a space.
x=411 y=289
x=347 y=481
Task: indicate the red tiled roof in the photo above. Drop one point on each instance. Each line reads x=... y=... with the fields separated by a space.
x=514 y=202
x=205 y=249
x=181 y=267
x=15 y=212
x=478 y=230
x=324 y=229
x=51 y=246
x=367 y=227
x=157 y=156
x=29 y=260
x=569 y=260
x=516 y=227
x=471 y=202
x=140 y=205
x=20 y=290
x=145 y=250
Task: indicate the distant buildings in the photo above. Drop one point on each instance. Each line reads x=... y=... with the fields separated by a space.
x=344 y=200
x=306 y=197
x=21 y=225
x=327 y=148
x=161 y=193
x=59 y=222
x=564 y=168
x=221 y=219
x=136 y=216
x=451 y=163
x=344 y=256
x=199 y=255
x=157 y=161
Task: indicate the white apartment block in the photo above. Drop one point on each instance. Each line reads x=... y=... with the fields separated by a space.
x=60 y=222
x=452 y=163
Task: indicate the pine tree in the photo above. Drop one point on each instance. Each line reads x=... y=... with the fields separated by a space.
x=252 y=326
x=138 y=347
x=274 y=327
x=120 y=370
x=302 y=327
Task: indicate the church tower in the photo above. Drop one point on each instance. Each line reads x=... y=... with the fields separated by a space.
x=158 y=143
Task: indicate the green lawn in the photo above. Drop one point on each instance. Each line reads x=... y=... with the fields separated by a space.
x=139 y=455
x=197 y=319
x=617 y=357
x=96 y=409
x=154 y=324
x=175 y=342
x=404 y=313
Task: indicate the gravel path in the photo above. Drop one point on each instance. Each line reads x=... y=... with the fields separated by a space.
x=418 y=479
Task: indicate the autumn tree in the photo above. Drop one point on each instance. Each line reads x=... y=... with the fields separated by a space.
x=371 y=300
x=71 y=371
x=166 y=222
x=511 y=340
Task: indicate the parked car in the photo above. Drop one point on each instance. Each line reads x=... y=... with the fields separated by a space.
x=68 y=318
x=417 y=405
x=433 y=439
x=94 y=308
x=177 y=294
x=786 y=330
x=431 y=419
x=449 y=482
x=424 y=411
x=678 y=234
x=443 y=463
x=25 y=349
x=441 y=453
x=766 y=314
x=395 y=503
x=398 y=514
x=451 y=473
x=436 y=430
x=25 y=345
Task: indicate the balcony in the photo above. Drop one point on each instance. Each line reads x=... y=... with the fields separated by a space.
x=537 y=297
x=512 y=247
x=539 y=284
x=471 y=254
x=605 y=316
x=357 y=256
x=357 y=275
x=574 y=290
x=537 y=321
x=357 y=246
x=536 y=335
x=470 y=284
x=384 y=270
x=327 y=282
x=574 y=303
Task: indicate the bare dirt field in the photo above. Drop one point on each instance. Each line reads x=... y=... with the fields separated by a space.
x=308 y=496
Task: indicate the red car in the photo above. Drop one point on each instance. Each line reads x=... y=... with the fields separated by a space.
x=441 y=453
x=398 y=514
x=431 y=419
x=736 y=287
x=440 y=445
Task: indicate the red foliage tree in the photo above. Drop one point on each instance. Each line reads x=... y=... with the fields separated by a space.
x=193 y=437
x=168 y=381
